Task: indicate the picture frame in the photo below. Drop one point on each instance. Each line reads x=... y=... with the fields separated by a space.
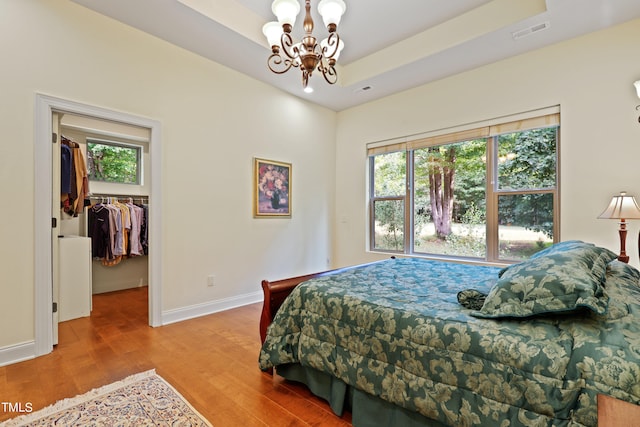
x=272 y=189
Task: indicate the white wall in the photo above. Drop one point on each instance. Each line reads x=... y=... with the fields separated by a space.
x=214 y=121
x=590 y=77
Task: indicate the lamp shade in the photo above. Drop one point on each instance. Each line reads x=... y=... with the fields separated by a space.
x=331 y=11
x=637 y=85
x=623 y=206
x=286 y=11
x=272 y=31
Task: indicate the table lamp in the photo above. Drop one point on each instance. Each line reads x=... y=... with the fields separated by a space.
x=622 y=207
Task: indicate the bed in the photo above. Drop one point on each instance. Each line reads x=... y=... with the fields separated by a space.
x=414 y=342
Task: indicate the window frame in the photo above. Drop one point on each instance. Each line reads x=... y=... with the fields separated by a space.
x=539 y=119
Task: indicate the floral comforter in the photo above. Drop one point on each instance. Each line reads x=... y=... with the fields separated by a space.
x=395 y=330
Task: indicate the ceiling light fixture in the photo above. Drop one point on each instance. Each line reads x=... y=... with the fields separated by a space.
x=307 y=54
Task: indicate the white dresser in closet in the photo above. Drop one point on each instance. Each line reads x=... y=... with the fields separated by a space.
x=75 y=277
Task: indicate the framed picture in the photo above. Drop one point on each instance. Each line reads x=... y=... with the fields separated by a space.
x=272 y=189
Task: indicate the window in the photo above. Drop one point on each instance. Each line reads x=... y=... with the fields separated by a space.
x=388 y=203
x=111 y=161
x=486 y=193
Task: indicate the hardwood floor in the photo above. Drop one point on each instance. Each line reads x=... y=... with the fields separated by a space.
x=212 y=361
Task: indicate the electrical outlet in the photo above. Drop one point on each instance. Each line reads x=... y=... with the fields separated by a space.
x=211 y=280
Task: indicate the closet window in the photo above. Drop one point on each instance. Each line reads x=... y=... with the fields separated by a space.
x=116 y=162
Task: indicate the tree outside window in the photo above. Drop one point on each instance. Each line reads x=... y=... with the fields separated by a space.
x=112 y=162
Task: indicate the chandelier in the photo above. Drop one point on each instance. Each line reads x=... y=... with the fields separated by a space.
x=306 y=54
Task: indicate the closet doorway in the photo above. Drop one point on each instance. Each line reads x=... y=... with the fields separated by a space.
x=82 y=118
x=114 y=192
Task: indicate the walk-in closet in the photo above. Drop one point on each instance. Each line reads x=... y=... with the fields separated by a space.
x=102 y=224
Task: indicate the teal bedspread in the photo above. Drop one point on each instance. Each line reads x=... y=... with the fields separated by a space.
x=395 y=330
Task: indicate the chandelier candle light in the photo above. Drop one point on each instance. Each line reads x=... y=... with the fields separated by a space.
x=307 y=54
x=622 y=207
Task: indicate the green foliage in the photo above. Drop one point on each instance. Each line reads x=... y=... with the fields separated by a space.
x=527 y=159
x=390 y=172
x=531 y=211
x=390 y=180
x=471 y=239
x=112 y=163
x=471 y=177
x=390 y=220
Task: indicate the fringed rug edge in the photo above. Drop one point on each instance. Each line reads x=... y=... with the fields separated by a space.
x=66 y=403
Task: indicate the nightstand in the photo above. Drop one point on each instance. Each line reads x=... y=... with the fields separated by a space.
x=613 y=412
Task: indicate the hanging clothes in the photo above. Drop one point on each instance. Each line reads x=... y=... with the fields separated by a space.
x=115 y=236
x=144 y=233
x=65 y=169
x=137 y=220
x=82 y=182
x=118 y=231
x=74 y=178
x=99 y=229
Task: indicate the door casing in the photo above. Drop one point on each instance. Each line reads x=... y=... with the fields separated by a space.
x=45 y=106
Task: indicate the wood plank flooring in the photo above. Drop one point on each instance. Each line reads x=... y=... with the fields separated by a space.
x=212 y=361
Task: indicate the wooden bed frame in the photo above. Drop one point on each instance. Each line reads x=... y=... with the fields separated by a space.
x=611 y=412
x=275 y=293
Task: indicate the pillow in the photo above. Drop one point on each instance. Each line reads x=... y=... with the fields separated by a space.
x=564 y=280
x=624 y=273
x=566 y=246
x=623 y=288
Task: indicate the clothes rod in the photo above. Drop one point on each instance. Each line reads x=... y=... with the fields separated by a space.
x=118 y=196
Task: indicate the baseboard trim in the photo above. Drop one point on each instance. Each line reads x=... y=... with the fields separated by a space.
x=27 y=350
x=198 y=310
x=17 y=353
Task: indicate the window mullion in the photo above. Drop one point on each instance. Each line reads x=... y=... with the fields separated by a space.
x=372 y=227
x=409 y=205
x=492 y=201
x=556 y=193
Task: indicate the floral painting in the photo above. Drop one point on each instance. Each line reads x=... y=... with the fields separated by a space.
x=272 y=192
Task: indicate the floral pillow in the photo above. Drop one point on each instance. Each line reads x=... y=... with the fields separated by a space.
x=566 y=279
x=567 y=245
x=625 y=274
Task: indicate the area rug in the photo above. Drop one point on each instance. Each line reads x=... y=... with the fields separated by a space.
x=143 y=399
